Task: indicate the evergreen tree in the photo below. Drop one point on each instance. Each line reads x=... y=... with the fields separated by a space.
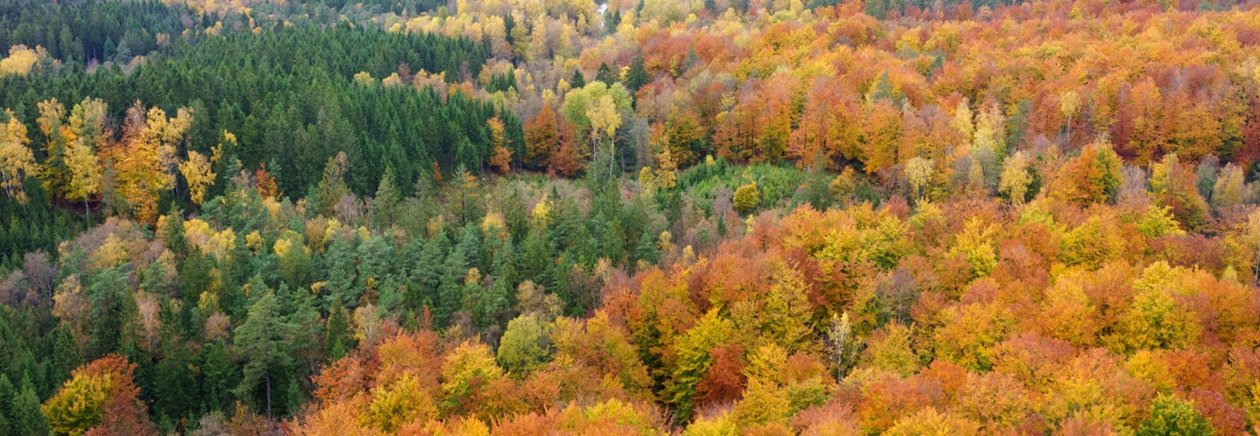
x=218 y=377
x=262 y=342
x=26 y=417
x=606 y=75
x=451 y=290
x=386 y=200
x=637 y=75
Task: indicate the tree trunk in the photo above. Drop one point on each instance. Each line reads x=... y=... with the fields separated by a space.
x=268 y=383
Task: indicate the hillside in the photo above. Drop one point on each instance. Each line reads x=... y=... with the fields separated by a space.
x=635 y=217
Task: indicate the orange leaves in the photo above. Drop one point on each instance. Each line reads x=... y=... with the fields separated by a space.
x=100 y=397
x=501 y=160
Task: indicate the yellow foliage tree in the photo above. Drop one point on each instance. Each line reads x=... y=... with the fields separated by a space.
x=87 y=121
x=16 y=160
x=145 y=168
x=198 y=174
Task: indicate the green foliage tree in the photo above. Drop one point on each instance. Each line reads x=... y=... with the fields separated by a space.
x=262 y=341
x=524 y=346
x=1173 y=416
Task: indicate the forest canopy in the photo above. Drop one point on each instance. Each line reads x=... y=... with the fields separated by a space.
x=634 y=216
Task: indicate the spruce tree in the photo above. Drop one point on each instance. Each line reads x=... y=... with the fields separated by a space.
x=262 y=342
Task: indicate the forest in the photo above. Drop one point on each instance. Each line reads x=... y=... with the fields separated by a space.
x=699 y=217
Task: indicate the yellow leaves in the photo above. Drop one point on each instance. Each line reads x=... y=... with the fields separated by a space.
x=962 y=121
x=974 y=245
x=197 y=173
x=1068 y=313
x=1158 y=221
x=1069 y=105
x=969 y=333
x=78 y=405
x=1015 y=178
x=21 y=59
x=493 y=224
x=766 y=363
x=929 y=422
x=605 y=119
x=919 y=173
x=501 y=160
x=542 y=212
x=282 y=247
x=218 y=244
x=666 y=169
x=16 y=160
x=467 y=369
x=1092 y=243
x=1154 y=319
x=85 y=171
x=254 y=241
x=147 y=164
x=990 y=132
x=746 y=198
x=364 y=78
x=890 y=350
x=111 y=253
x=401 y=402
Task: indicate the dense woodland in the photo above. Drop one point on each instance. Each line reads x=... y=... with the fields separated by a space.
x=702 y=217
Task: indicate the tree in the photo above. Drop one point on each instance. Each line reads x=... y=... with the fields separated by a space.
x=666 y=176
x=1173 y=416
x=637 y=75
x=1092 y=177
x=693 y=360
x=467 y=371
x=1069 y=106
x=87 y=121
x=919 y=173
x=605 y=74
x=145 y=168
x=542 y=134
x=684 y=137
x=262 y=341
x=16 y=160
x=198 y=174
x=102 y=397
x=333 y=184
x=385 y=202
x=747 y=197
x=1229 y=187
x=400 y=402
x=930 y=422
x=524 y=346
x=54 y=172
x=26 y=416
x=501 y=159
x=1016 y=180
